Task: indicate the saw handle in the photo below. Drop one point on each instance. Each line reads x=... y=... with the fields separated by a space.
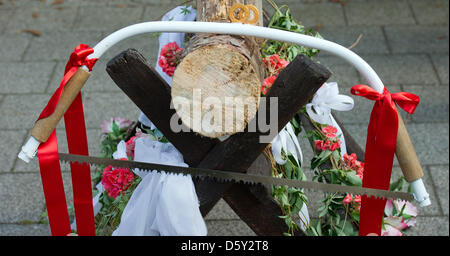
x=410 y=165
x=406 y=155
x=44 y=127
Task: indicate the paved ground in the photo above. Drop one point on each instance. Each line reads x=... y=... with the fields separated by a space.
x=406 y=41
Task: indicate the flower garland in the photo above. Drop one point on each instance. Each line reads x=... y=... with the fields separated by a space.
x=339 y=214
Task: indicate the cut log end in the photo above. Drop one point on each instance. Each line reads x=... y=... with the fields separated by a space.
x=216 y=90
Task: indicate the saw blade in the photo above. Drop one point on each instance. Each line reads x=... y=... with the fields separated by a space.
x=227 y=176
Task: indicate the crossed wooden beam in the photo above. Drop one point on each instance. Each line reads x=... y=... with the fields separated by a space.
x=241 y=152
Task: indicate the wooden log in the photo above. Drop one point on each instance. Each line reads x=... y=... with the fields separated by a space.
x=215 y=68
x=293 y=88
x=143 y=85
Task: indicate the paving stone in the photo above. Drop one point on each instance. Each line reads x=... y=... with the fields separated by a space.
x=433 y=209
x=48 y=19
x=25 y=77
x=21 y=196
x=101 y=106
x=403 y=69
x=21 y=111
x=439 y=175
x=430 y=11
x=38 y=3
x=430 y=226
x=24 y=230
x=372 y=41
x=228 y=228
x=9 y=148
x=433 y=106
x=155 y=12
x=441 y=64
x=417 y=39
x=96 y=3
x=317 y=14
x=378 y=12
x=13 y=46
x=146 y=44
x=93 y=137
x=430 y=140
x=4 y=17
x=157 y=2
x=59 y=45
x=222 y=211
x=314 y=198
x=308 y=153
x=99 y=81
x=94 y=18
x=342 y=72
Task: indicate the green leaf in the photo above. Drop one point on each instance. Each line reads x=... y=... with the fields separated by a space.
x=353 y=179
x=398 y=184
x=319 y=228
x=115 y=129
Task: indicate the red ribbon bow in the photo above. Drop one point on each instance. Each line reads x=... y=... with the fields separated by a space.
x=77 y=143
x=380 y=149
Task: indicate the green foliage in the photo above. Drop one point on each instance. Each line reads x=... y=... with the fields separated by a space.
x=290 y=199
x=108 y=218
x=110 y=140
x=282 y=19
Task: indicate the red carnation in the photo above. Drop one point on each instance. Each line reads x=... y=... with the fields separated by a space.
x=169 y=58
x=116 y=180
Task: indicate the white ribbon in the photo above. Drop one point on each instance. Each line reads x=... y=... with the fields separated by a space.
x=162 y=204
x=287 y=141
x=326 y=99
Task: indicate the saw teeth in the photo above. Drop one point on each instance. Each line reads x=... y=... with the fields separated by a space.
x=226 y=177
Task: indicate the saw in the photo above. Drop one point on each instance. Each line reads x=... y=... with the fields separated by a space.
x=237 y=177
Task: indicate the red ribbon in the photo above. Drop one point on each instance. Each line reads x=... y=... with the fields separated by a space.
x=77 y=143
x=380 y=149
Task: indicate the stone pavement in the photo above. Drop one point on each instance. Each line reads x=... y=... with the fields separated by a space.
x=405 y=41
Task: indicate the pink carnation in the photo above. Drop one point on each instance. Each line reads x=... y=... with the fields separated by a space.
x=169 y=57
x=130 y=144
x=121 y=122
x=390 y=231
x=335 y=146
x=347 y=199
x=322 y=145
x=330 y=131
x=351 y=162
x=116 y=180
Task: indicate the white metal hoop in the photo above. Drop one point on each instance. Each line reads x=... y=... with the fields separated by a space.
x=242 y=29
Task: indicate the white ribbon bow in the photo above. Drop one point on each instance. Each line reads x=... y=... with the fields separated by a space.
x=287 y=141
x=326 y=99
